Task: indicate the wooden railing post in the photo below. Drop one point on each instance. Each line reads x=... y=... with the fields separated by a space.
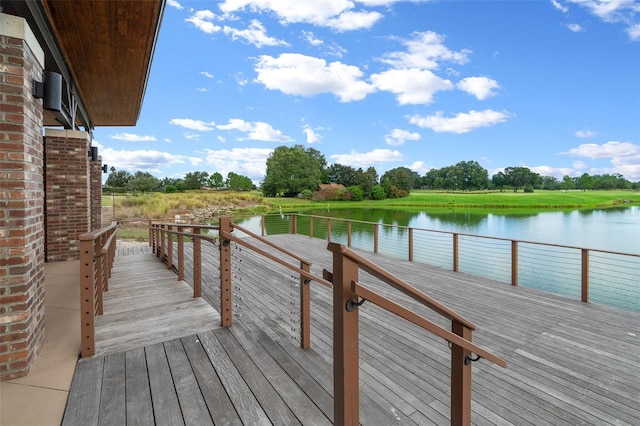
x=585 y=275
x=345 y=340
x=197 y=263
x=410 y=244
x=514 y=263
x=460 y=379
x=169 y=247
x=294 y=224
x=87 y=306
x=455 y=253
x=305 y=307
x=180 y=253
x=226 y=312
x=311 y=226
x=375 y=237
x=150 y=233
x=263 y=226
x=349 y=234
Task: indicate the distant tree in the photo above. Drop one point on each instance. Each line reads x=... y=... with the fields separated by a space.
x=216 y=180
x=378 y=193
x=119 y=178
x=144 y=182
x=585 y=182
x=567 y=183
x=471 y=176
x=343 y=175
x=367 y=180
x=291 y=170
x=397 y=182
x=195 y=180
x=550 y=183
x=238 y=182
x=518 y=177
x=356 y=193
x=499 y=180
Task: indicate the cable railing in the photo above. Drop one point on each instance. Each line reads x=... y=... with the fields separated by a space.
x=348 y=294
x=589 y=275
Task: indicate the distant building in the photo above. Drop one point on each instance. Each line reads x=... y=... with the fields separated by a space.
x=331 y=191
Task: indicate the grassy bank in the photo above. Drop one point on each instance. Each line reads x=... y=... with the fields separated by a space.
x=485 y=200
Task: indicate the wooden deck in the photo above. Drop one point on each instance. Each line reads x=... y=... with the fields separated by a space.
x=569 y=363
x=146 y=304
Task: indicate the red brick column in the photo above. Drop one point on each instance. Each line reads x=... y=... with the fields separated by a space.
x=21 y=199
x=96 y=194
x=68 y=201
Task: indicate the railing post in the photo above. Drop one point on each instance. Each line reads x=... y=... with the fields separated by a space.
x=349 y=234
x=294 y=224
x=305 y=308
x=150 y=234
x=197 y=263
x=514 y=263
x=169 y=247
x=225 y=272
x=311 y=227
x=87 y=295
x=585 y=275
x=375 y=237
x=262 y=226
x=346 y=408
x=180 y=253
x=410 y=244
x=460 y=379
x=455 y=252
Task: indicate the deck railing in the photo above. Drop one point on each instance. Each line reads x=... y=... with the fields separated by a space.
x=97 y=253
x=348 y=294
x=586 y=274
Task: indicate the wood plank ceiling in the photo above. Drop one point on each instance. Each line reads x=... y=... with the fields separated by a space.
x=108 y=46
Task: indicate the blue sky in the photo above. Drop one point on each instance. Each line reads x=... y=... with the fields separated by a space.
x=550 y=85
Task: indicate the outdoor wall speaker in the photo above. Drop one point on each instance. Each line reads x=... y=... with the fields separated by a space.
x=105 y=168
x=52 y=99
x=94 y=153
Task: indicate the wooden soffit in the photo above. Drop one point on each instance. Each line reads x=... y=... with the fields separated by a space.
x=108 y=47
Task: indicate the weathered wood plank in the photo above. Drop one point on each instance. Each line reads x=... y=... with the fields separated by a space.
x=84 y=395
x=113 y=401
x=166 y=408
x=193 y=405
x=138 y=393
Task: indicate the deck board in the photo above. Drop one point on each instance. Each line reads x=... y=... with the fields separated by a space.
x=569 y=362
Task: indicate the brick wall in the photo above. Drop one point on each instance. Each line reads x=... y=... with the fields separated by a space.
x=67 y=183
x=21 y=199
x=96 y=194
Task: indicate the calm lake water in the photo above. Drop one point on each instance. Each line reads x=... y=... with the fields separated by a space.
x=614 y=280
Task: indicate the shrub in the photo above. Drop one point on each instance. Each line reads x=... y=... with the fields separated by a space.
x=528 y=188
x=357 y=194
x=378 y=193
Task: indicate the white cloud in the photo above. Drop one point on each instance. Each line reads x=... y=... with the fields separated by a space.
x=174 y=3
x=130 y=137
x=419 y=167
x=256 y=34
x=296 y=74
x=349 y=21
x=559 y=6
x=480 y=87
x=366 y=159
x=207 y=74
x=612 y=149
x=412 y=86
x=193 y=124
x=398 y=137
x=557 y=172
x=202 y=89
x=585 y=133
x=576 y=28
x=312 y=135
x=336 y=14
x=310 y=38
x=144 y=159
x=202 y=20
x=250 y=162
x=425 y=50
x=258 y=130
x=461 y=123
x=634 y=32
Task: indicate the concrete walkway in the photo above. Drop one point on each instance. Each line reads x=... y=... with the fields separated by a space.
x=40 y=397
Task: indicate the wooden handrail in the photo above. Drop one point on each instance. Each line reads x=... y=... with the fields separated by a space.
x=400 y=285
x=420 y=321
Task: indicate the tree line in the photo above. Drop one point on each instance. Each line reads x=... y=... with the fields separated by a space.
x=298 y=172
